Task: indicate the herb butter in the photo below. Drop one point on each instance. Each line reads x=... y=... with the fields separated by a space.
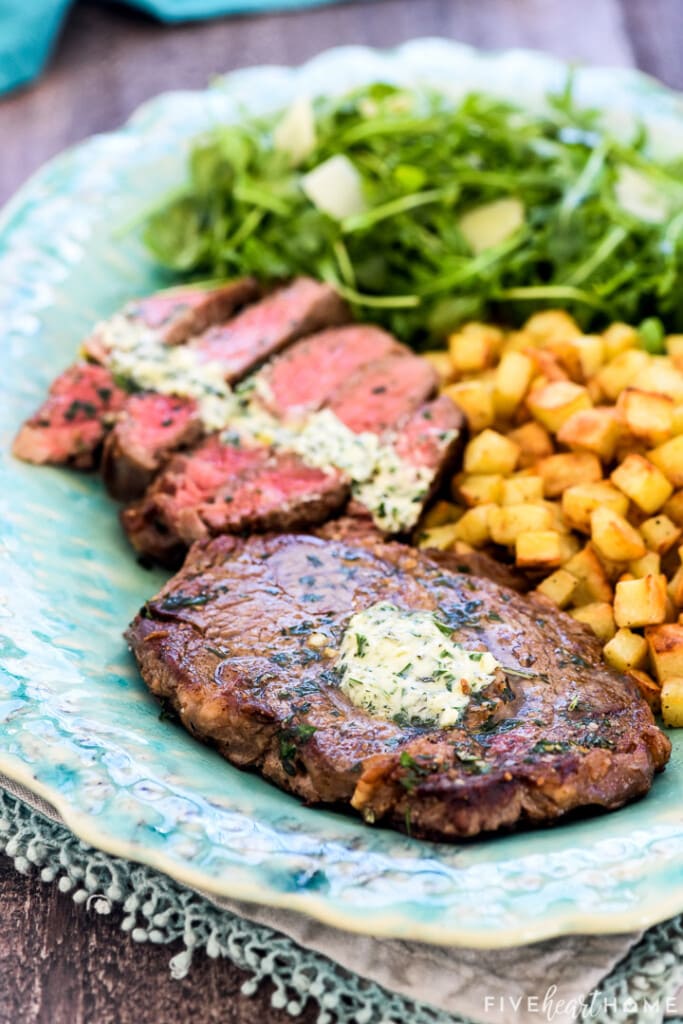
x=403 y=665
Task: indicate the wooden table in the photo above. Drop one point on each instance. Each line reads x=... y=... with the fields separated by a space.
x=58 y=963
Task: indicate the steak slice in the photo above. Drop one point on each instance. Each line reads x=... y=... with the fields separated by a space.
x=148 y=429
x=262 y=329
x=174 y=316
x=377 y=397
x=221 y=487
x=72 y=422
x=310 y=371
x=242 y=643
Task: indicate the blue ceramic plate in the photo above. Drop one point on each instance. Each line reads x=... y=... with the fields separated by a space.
x=76 y=724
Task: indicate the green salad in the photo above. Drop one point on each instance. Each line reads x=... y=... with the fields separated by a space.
x=425 y=213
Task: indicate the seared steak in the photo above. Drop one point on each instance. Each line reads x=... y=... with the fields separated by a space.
x=378 y=396
x=72 y=422
x=243 y=644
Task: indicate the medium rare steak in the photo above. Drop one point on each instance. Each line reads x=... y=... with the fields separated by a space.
x=244 y=644
x=310 y=371
x=378 y=396
x=71 y=424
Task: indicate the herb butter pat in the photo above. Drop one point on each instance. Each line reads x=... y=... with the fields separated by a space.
x=403 y=665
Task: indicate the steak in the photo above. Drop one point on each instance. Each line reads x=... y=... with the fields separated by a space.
x=71 y=424
x=264 y=328
x=243 y=644
x=148 y=429
x=310 y=371
x=380 y=395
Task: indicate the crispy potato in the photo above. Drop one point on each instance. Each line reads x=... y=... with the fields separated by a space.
x=473 y=526
x=551 y=323
x=521 y=488
x=661 y=376
x=566 y=470
x=646 y=415
x=668 y=457
x=621 y=372
x=626 y=650
x=479 y=489
x=441 y=537
x=618 y=337
x=475 y=398
x=640 y=602
x=614 y=537
x=513 y=377
x=649 y=689
x=673 y=508
x=672 y=702
x=441 y=361
x=599 y=616
x=581 y=356
x=675 y=588
x=538 y=549
x=534 y=443
x=665 y=643
x=579 y=501
x=553 y=404
x=660 y=534
x=440 y=513
x=677 y=420
x=491 y=452
x=559 y=587
x=474 y=348
x=649 y=565
x=642 y=482
x=592 y=430
x=593 y=584
x=507 y=522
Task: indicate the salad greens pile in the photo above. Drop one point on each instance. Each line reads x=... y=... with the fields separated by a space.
x=425 y=213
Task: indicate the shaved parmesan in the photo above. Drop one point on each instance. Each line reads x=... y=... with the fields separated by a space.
x=295 y=133
x=491 y=224
x=335 y=187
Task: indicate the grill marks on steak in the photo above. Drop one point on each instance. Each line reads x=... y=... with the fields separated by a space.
x=226 y=642
x=71 y=424
x=377 y=397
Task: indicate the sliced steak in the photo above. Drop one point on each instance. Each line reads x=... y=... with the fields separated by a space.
x=380 y=395
x=71 y=424
x=242 y=644
x=267 y=326
x=310 y=371
x=148 y=429
x=174 y=316
x=226 y=488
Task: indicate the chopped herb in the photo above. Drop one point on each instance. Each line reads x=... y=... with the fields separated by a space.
x=361 y=645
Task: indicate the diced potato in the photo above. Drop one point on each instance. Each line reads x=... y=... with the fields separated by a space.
x=549 y=369
x=677 y=420
x=521 y=488
x=480 y=489
x=648 y=565
x=674 y=349
x=491 y=452
x=441 y=537
x=666 y=650
x=669 y=458
x=579 y=501
x=566 y=470
x=551 y=323
x=660 y=375
x=534 y=443
x=660 y=534
x=646 y=415
x=675 y=587
x=475 y=398
x=618 y=337
x=473 y=526
x=441 y=361
x=614 y=537
x=593 y=584
x=640 y=602
x=674 y=508
x=474 y=347
x=440 y=513
x=672 y=702
x=508 y=522
x=621 y=372
x=626 y=650
x=649 y=689
x=592 y=430
x=643 y=482
x=559 y=587
x=599 y=616
x=513 y=377
x=582 y=356
x=558 y=520
x=553 y=404
x=569 y=546
x=538 y=549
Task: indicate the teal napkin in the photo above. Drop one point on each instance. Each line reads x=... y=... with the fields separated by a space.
x=28 y=28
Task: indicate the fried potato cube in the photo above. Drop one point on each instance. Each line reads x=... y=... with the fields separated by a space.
x=553 y=404
x=668 y=457
x=534 y=443
x=674 y=508
x=507 y=522
x=646 y=415
x=621 y=372
x=474 y=348
x=599 y=616
x=659 y=533
x=592 y=430
x=589 y=571
x=441 y=537
x=551 y=324
x=672 y=702
x=649 y=689
x=559 y=587
x=614 y=537
x=569 y=545
x=677 y=420
x=641 y=602
x=475 y=398
x=491 y=452
x=674 y=348
x=675 y=587
x=441 y=361
x=513 y=377
x=579 y=501
x=582 y=355
x=566 y=470
x=648 y=565
x=480 y=489
x=661 y=376
x=538 y=549
x=440 y=513
x=473 y=526
x=665 y=643
x=521 y=488
x=618 y=337
x=643 y=482
x=625 y=650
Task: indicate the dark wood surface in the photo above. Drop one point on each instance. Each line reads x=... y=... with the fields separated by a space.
x=58 y=963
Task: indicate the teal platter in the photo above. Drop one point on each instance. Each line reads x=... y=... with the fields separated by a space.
x=77 y=726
